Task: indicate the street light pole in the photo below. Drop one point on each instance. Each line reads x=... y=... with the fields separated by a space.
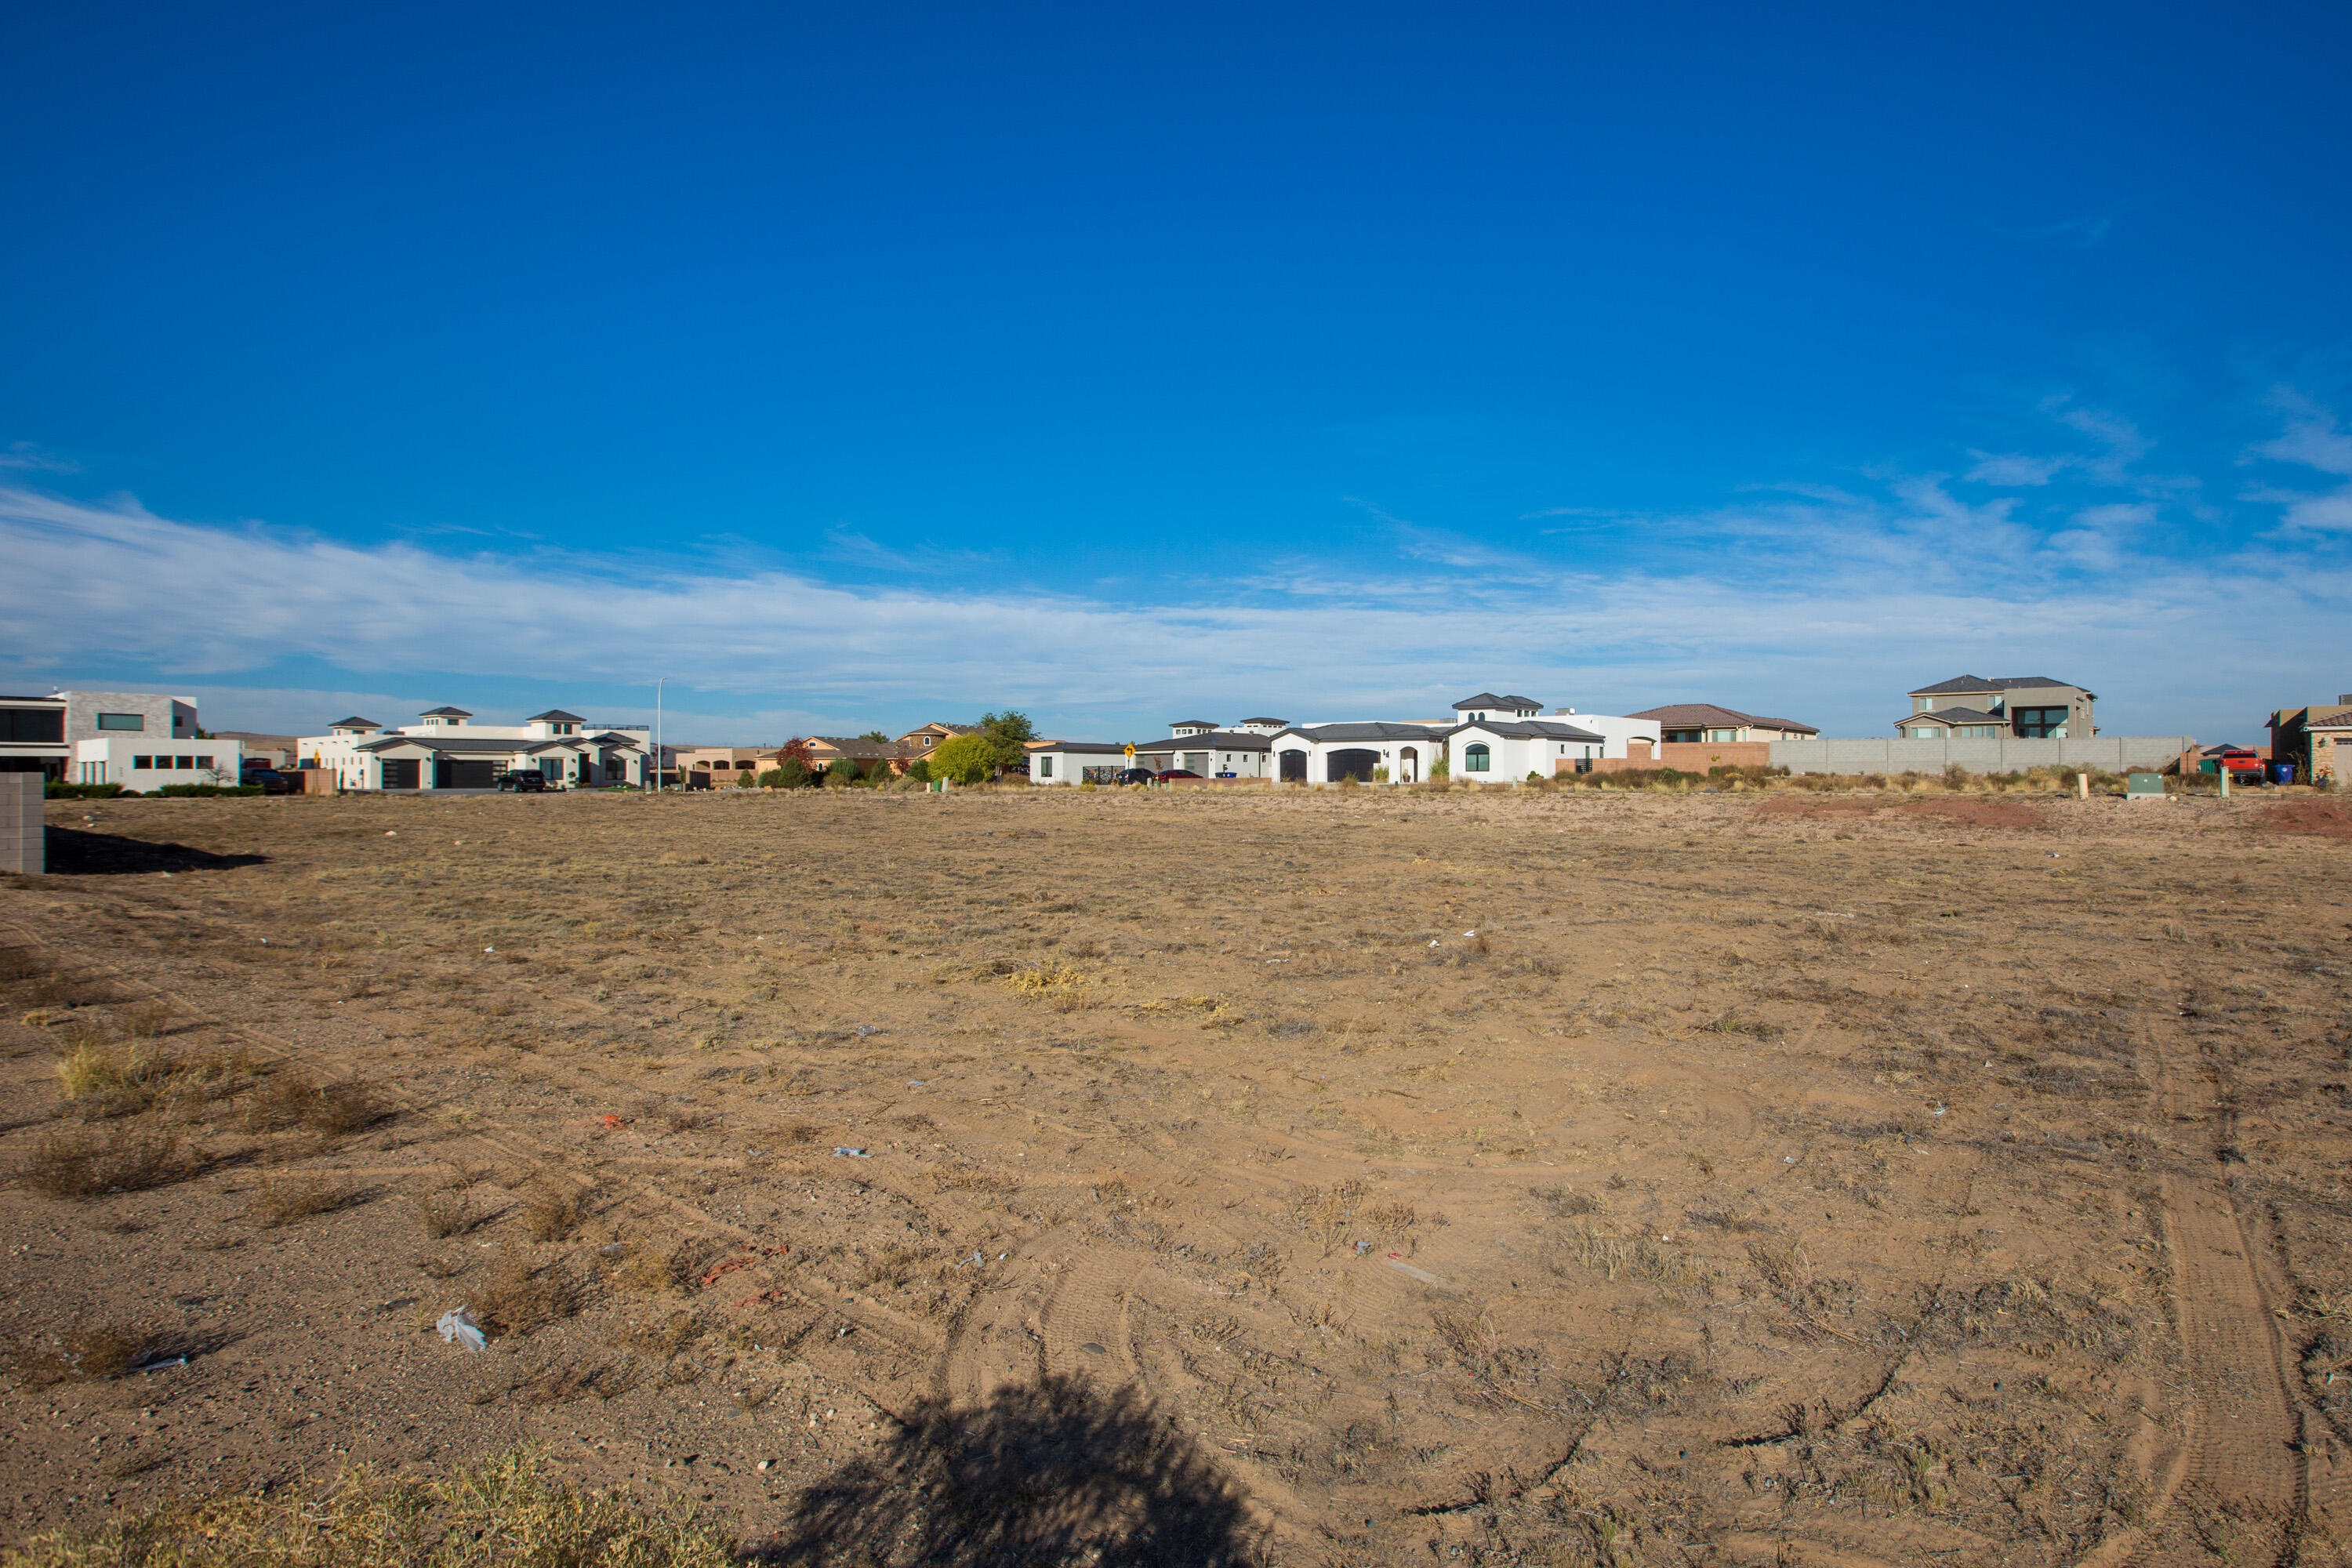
x=658 y=733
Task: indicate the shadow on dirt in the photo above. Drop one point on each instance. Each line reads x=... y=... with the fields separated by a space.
x=1057 y=1473
x=75 y=853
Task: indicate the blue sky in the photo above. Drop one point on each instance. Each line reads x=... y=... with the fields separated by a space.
x=860 y=366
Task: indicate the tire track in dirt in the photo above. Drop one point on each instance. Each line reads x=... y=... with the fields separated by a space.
x=2240 y=1479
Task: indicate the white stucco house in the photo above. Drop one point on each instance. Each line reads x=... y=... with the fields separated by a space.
x=1326 y=753
x=445 y=749
x=1614 y=731
x=1505 y=750
x=1212 y=753
x=1078 y=762
x=143 y=764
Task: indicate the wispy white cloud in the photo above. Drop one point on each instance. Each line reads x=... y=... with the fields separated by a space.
x=1810 y=600
x=26 y=457
x=2015 y=469
x=2311 y=440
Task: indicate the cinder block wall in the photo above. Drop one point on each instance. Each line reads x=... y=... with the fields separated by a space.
x=24 y=829
x=1688 y=756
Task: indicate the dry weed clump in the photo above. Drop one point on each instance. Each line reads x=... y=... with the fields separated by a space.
x=90 y=1352
x=283 y=1200
x=550 y=1214
x=518 y=1298
x=78 y=1163
x=506 y=1511
x=335 y=1110
x=442 y=1213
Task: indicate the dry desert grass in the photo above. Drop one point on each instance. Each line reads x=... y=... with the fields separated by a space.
x=1349 y=1178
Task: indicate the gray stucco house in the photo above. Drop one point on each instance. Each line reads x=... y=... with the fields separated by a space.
x=2022 y=707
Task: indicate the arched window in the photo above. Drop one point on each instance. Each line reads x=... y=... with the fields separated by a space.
x=1476 y=758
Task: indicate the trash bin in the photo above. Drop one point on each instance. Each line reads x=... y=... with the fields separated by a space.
x=2283 y=772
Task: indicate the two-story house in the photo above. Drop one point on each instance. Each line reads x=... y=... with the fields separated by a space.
x=2021 y=706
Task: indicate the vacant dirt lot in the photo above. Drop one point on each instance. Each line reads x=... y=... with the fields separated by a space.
x=1187 y=1178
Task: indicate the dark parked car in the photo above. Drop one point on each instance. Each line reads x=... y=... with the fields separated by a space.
x=523 y=781
x=1135 y=775
x=1167 y=774
x=273 y=781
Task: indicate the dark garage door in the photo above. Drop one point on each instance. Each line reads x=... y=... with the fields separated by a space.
x=466 y=775
x=1294 y=767
x=400 y=772
x=1350 y=765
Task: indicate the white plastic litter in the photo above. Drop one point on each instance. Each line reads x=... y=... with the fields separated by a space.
x=391 y=832
x=458 y=1328
x=490 y=950
x=842 y=1150
x=1469 y=933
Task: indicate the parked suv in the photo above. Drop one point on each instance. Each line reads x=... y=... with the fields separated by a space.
x=523 y=781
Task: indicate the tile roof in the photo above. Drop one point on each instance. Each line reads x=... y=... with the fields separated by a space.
x=1979 y=683
x=1192 y=723
x=1953 y=716
x=1266 y=720
x=445 y=714
x=354 y=724
x=1373 y=732
x=1704 y=715
x=1214 y=740
x=554 y=715
x=1531 y=729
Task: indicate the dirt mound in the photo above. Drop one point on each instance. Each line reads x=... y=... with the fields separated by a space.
x=2318 y=818
x=1968 y=810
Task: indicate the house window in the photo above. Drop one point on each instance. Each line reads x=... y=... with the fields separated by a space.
x=187 y=762
x=1683 y=737
x=201 y=761
x=1476 y=758
x=2040 y=722
x=1044 y=767
x=123 y=721
x=1719 y=734
x=33 y=726
x=142 y=763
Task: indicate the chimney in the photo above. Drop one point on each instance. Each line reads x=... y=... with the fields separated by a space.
x=1571 y=709
x=2344 y=697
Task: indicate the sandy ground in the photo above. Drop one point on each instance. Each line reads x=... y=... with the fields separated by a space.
x=1340 y=1178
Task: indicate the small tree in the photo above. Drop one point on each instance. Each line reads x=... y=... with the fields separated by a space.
x=1441 y=766
x=1379 y=773
x=744 y=778
x=877 y=736
x=920 y=770
x=1008 y=734
x=791 y=772
x=966 y=759
x=842 y=772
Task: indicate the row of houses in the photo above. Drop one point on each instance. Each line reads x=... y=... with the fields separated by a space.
x=141 y=742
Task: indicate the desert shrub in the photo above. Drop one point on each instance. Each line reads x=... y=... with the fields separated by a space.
x=503 y=1513
x=285 y=1199
x=58 y=789
x=790 y=774
x=518 y=1297
x=920 y=770
x=208 y=790
x=550 y=1214
x=77 y=1163
x=842 y=772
